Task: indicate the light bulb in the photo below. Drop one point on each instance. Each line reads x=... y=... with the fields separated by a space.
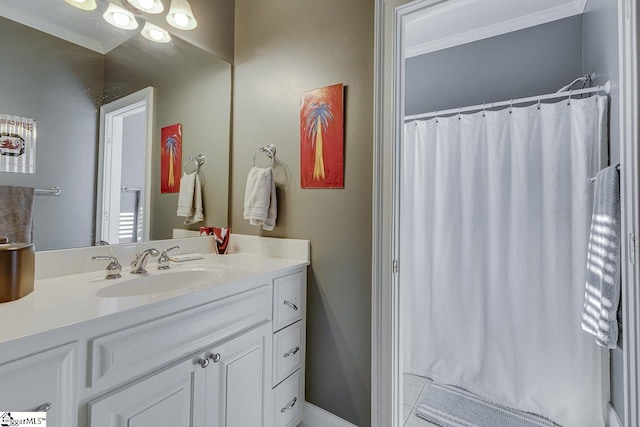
x=83 y=4
x=121 y=19
x=147 y=4
x=181 y=16
x=181 y=19
x=156 y=35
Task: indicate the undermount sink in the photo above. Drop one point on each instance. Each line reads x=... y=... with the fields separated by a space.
x=158 y=281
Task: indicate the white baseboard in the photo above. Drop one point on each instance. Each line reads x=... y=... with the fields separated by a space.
x=613 y=419
x=317 y=417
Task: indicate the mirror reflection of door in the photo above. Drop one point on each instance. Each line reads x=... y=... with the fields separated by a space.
x=122 y=214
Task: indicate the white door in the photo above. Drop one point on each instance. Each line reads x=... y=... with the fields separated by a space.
x=238 y=390
x=122 y=214
x=172 y=397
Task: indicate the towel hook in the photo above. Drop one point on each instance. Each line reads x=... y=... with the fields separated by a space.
x=269 y=151
x=198 y=160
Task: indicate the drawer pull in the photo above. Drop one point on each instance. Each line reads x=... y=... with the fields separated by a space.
x=290 y=405
x=290 y=304
x=215 y=357
x=44 y=407
x=203 y=362
x=292 y=352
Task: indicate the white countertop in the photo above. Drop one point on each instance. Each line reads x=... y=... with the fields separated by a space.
x=71 y=299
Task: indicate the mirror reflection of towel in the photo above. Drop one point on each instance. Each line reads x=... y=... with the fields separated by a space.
x=16 y=213
x=190 y=199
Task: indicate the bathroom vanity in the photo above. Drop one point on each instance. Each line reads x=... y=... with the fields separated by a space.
x=213 y=342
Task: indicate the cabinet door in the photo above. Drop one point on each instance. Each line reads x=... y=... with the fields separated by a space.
x=171 y=397
x=238 y=381
x=45 y=381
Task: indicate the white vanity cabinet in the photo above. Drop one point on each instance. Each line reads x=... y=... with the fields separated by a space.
x=229 y=353
x=226 y=386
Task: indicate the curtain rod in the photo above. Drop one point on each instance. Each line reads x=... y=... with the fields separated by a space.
x=606 y=88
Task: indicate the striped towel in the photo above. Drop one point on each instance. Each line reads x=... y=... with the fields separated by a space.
x=450 y=406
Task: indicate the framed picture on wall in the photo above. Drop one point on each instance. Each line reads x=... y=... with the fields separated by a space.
x=322 y=137
x=171 y=158
x=17 y=144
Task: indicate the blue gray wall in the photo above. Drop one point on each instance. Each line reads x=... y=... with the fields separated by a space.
x=600 y=55
x=524 y=63
x=529 y=62
x=39 y=75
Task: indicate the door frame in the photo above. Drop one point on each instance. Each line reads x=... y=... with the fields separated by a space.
x=390 y=16
x=109 y=115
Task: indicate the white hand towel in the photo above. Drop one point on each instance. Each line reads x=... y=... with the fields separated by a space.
x=260 y=206
x=190 y=199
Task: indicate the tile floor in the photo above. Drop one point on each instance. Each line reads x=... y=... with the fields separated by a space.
x=413 y=388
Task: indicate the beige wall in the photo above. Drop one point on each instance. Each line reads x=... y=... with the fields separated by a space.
x=282 y=48
x=192 y=87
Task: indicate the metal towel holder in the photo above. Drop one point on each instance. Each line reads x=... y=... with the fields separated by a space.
x=269 y=150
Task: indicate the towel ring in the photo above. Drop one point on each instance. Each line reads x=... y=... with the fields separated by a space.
x=269 y=150
x=198 y=160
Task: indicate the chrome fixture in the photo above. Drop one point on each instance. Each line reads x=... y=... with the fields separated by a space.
x=53 y=191
x=140 y=262
x=113 y=269
x=215 y=357
x=290 y=304
x=165 y=260
x=269 y=151
x=292 y=352
x=102 y=243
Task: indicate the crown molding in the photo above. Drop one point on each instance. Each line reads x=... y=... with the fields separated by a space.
x=548 y=15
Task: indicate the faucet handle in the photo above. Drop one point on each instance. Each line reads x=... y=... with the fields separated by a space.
x=165 y=259
x=113 y=269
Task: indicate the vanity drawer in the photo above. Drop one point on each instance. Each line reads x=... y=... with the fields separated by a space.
x=288 y=402
x=288 y=300
x=287 y=352
x=126 y=354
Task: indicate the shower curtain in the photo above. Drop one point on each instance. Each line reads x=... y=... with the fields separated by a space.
x=494 y=220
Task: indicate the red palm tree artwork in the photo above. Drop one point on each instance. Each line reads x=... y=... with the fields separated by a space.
x=322 y=137
x=170 y=158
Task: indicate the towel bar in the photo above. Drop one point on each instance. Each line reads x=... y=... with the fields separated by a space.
x=53 y=191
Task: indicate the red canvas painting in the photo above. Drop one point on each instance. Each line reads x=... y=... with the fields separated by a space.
x=171 y=158
x=322 y=138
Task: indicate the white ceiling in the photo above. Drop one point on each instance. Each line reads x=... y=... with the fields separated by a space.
x=455 y=22
x=58 y=18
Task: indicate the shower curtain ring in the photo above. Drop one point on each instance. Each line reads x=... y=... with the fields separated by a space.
x=511 y=106
x=569 y=98
x=483 y=110
x=538 y=103
x=435 y=113
x=458 y=113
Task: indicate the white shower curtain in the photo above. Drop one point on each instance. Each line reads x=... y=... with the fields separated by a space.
x=494 y=224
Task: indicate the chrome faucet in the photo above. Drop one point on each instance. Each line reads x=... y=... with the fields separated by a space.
x=138 y=265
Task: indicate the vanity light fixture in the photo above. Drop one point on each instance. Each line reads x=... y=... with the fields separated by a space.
x=180 y=15
x=83 y=4
x=120 y=17
x=155 y=33
x=147 y=6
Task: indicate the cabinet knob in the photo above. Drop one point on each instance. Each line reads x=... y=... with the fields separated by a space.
x=290 y=405
x=215 y=357
x=292 y=352
x=203 y=362
x=44 y=407
x=292 y=305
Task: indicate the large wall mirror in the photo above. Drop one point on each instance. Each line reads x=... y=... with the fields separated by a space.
x=62 y=66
